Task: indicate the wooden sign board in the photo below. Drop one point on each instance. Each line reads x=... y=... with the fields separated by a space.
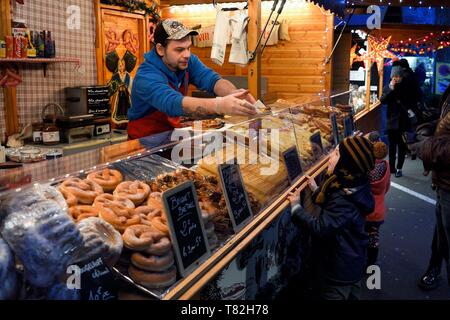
x=236 y=196
x=186 y=228
x=293 y=165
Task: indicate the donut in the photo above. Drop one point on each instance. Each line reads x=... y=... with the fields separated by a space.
x=99 y=239
x=153 y=280
x=155 y=200
x=8 y=275
x=79 y=213
x=106 y=197
x=138 y=237
x=71 y=200
x=161 y=224
x=160 y=246
x=152 y=262
x=84 y=190
x=108 y=179
x=136 y=191
x=119 y=216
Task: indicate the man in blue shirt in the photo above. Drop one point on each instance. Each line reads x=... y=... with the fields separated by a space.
x=159 y=94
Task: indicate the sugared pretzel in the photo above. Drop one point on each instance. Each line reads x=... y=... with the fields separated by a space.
x=119 y=216
x=108 y=179
x=79 y=213
x=104 y=198
x=84 y=190
x=136 y=191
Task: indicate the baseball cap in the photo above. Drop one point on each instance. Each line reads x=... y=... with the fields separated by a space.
x=176 y=30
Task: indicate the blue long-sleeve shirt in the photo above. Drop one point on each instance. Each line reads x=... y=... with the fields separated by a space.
x=154 y=83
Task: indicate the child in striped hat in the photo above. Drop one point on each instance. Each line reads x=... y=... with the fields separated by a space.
x=339 y=239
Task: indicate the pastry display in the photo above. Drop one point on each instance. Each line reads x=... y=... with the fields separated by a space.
x=8 y=276
x=208 y=124
x=44 y=239
x=108 y=179
x=78 y=213
x=136 y=191
x=99 y=239
x=84 y=190
x=71 y=200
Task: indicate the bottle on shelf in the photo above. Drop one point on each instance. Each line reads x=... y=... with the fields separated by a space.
x=40 y=40
x=48 y=44
x=31 y=50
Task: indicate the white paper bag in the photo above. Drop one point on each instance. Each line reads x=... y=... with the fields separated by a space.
x=239 y=52
x=221 y=32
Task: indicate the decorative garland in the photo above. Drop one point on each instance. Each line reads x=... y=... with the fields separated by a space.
x=135 y=5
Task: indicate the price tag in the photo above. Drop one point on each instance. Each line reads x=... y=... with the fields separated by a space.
x=186 y=227
x=236 y=196
x=97 y=281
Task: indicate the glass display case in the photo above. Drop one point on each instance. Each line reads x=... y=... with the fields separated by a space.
x=133 y=178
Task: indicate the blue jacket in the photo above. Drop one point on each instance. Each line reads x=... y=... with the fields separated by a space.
x=339 y=238
x=152 y=88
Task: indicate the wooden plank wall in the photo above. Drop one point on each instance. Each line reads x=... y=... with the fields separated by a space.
x=341 y=66
x=293 y=68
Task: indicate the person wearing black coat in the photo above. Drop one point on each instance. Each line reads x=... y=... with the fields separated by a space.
x=397 y=98
x=339 y=239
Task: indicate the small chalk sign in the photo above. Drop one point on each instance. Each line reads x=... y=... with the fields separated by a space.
x=293 y=165
x=316 y=144
x=236 y=196
x=97 y=281
x=334 y=125
x=348 y=126
x=186 y=228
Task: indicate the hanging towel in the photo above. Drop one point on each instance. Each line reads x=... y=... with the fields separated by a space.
x=221 y=32
x=239 y=53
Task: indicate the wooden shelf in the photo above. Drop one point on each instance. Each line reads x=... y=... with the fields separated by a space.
x=43 y=61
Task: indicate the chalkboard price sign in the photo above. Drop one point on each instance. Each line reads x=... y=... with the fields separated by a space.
x=316 y=144
x=293 y=165
x=335 y=127
x=236 y=196
x=97 y=281
x=348 y=126
x=186 y=228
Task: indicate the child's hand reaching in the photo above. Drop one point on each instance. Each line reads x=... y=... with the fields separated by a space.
x=294 y=197
x=312 y=183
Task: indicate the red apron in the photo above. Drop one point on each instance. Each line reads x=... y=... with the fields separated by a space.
x=157 y=121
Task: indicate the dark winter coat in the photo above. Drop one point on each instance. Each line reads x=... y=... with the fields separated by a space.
x=397 y=112
x=339 y=239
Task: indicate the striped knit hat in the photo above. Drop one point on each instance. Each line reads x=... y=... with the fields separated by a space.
x=356 y=155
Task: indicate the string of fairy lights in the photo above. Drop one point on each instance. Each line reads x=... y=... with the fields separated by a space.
x=425 y=45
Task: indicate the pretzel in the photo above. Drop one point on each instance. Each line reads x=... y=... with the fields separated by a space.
x=155 y=200
x=147 y=215
x=161 y=224
x=104 y=198
x=160 y=246
x=138 y=237
x=78 y=213
x=119 y=216
x=84 y=190
x=152 y=262
x=108 y=179
x=71 y=200
x=153 y=280
x=136 y=191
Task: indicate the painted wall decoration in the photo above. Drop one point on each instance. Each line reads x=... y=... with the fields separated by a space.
x=124 y=45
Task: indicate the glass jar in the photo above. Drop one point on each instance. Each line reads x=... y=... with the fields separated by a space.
x=50 y=134
x=38 y=127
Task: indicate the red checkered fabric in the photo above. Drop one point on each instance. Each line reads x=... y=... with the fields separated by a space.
x=36 y=91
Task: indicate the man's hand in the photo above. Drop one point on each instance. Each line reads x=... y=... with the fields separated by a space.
x=236 y=105
x=247 y=95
